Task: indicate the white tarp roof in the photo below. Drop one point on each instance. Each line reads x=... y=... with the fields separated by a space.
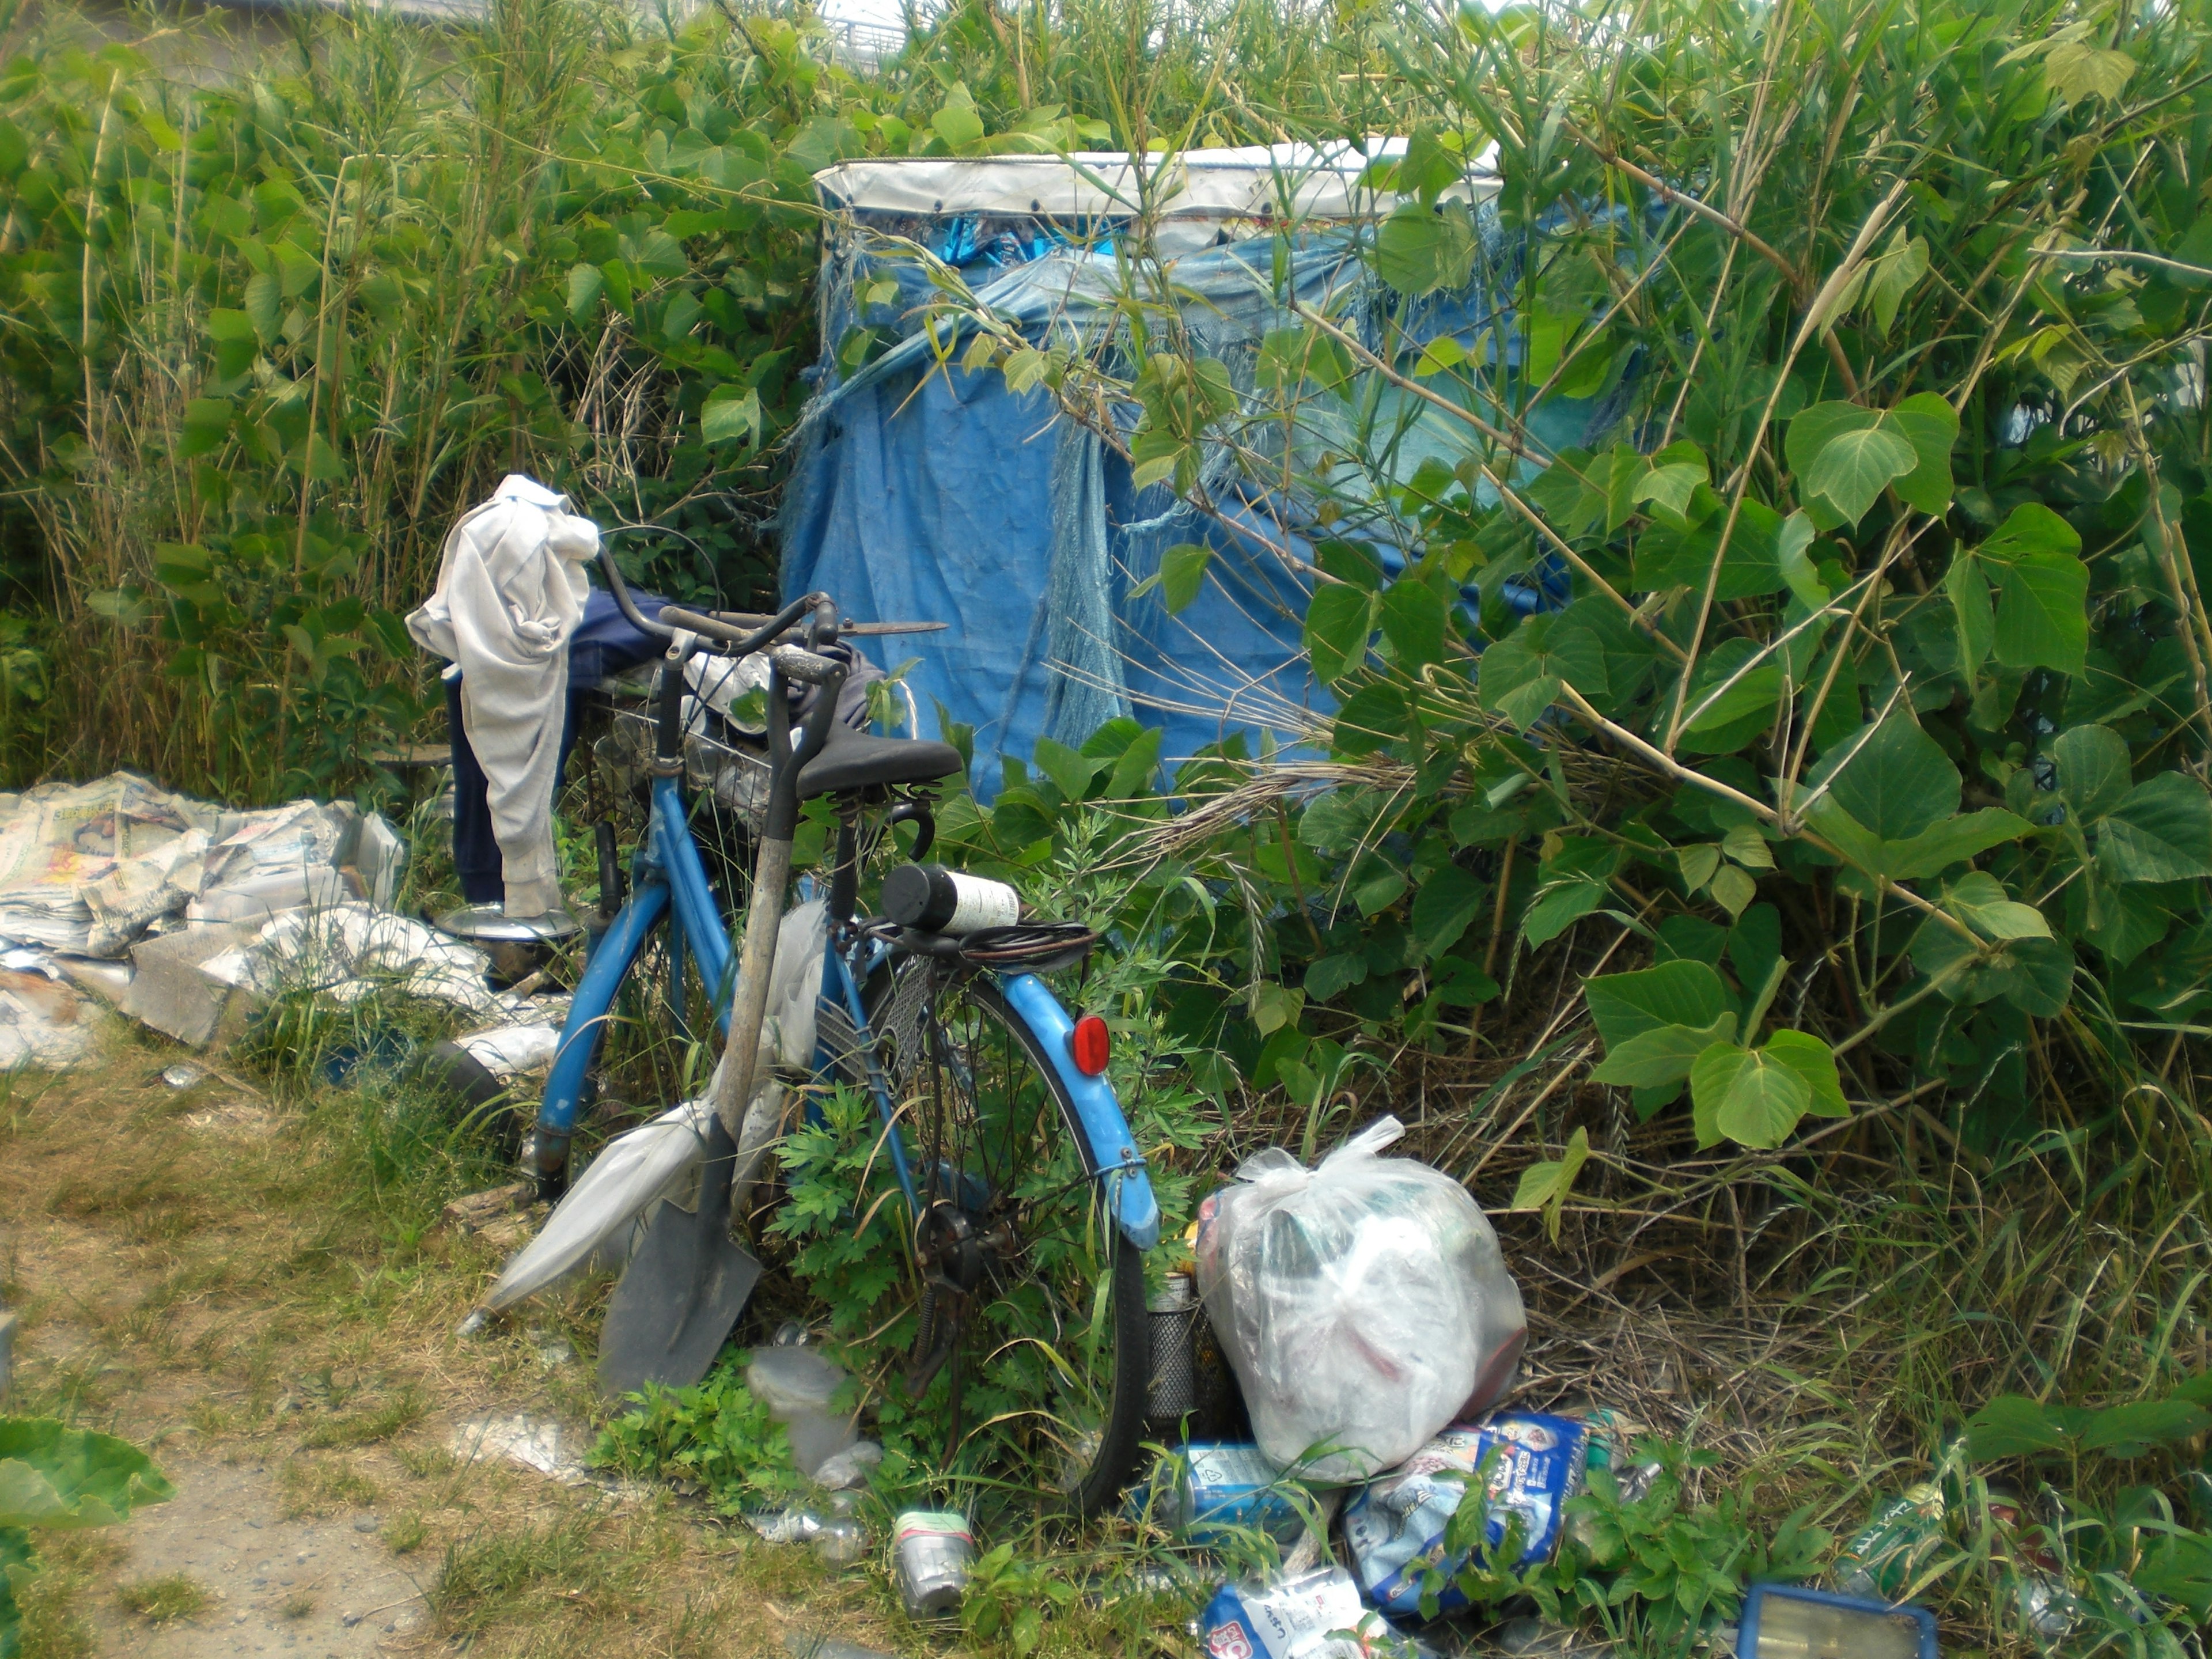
x=1256 y=181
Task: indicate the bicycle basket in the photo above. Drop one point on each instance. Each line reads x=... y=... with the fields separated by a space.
x=736 y=776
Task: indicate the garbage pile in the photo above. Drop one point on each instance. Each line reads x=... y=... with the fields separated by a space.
x=1366 y=1331
x=181 y=912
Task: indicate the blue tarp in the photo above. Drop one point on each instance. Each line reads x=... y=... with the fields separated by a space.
x=924 y=492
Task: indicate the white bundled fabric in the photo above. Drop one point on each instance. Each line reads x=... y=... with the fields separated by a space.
x=1365 y=1304
x=511 y=589
x=648 y=1162
x=658 y=1159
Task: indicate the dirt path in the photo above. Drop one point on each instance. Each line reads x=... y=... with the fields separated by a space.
x=300 y=1586
x=262 y=1294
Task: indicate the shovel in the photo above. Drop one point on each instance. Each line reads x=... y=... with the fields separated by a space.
x=682 y=1293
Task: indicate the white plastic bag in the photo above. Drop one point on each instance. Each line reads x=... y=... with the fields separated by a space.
x=1364 y=1304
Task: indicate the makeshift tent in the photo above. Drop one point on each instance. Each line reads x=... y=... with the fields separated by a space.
x=925 y=492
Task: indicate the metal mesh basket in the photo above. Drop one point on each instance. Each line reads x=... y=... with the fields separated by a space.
x=736 y=776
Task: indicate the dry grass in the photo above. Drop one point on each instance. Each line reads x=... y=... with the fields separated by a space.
x=304 y=1321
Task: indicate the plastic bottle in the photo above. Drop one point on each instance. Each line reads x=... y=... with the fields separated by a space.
x=797 y=1385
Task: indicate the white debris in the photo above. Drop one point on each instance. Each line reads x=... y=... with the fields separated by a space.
x=43 y=1023
x=535 y=1442
x=345 y=949
x=59 y=841
x=508 y=1051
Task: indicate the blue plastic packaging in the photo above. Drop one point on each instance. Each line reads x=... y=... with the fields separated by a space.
x=1210 y=1490
x=1395 y=1528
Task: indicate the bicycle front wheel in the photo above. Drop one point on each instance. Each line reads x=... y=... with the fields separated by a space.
x=1031 y=1352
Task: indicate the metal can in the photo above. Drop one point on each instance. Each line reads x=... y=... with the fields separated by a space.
x=1611 y=1445
x=1902 y=1533
x=932 y=1551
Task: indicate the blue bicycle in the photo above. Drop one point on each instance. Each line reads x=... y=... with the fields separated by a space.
x=1027 y=1201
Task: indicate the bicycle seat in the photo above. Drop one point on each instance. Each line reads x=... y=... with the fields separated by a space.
x=853 y=760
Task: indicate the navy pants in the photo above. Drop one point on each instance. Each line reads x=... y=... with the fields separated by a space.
x=603 y=643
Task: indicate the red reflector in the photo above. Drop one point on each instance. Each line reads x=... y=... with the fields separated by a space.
x=1088 y=1044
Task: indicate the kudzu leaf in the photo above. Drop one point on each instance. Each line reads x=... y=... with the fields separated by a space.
x=2160 y=830
x=585 y=284
x=1327 y=977
x=1447 y=901
x=1894 y=277
x=2077 y=69
x=1560 y=906
x=730 y=419
x=1844 y=457
x=2043 y=616
x=1968 y=590
x=957 y=125
x=2178 y=1568
x=2042 y=588
x=1928 y=423
x=1338 y=621
x=1420 y=249
x=1371 y=718
x=2093 y=771
x=1935 y=850
x=62 y=1478
x=1183 y=572
x=1698 y=861
x=1751 y=1097
x=1743 y=844
x=2141 y=1426
x=1274 y=1006
x=1663 y=1054
x=1679 y=992
x=1854 y=467
x=1414 y=621
x=1896 y=783
x=2013 y=1426
x=1519 y=674
x=1790 y=546
x=1813 y=1060
x=1756 y=693
x=1732 y=890
x=2124 y=921
x=1978 y=899
x=1070 y=772
x=1545 y=1186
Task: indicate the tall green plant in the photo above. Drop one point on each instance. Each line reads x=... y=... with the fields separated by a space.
x=1751 y=555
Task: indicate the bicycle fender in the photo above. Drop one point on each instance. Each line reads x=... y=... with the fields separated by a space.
x=1128 y=1191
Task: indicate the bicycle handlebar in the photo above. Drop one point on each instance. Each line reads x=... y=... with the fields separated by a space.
x=798 y=665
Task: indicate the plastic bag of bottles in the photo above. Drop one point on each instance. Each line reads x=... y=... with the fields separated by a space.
x=1364 y=1304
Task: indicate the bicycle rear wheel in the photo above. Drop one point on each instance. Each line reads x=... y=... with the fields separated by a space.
x=1031 y=1350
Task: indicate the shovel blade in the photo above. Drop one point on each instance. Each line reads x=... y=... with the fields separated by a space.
x=677 y=1302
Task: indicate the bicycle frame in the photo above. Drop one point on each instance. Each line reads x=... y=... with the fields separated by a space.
x=667 y=879
x=669 y=883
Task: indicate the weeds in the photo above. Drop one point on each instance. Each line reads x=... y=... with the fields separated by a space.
x=165 y=1600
